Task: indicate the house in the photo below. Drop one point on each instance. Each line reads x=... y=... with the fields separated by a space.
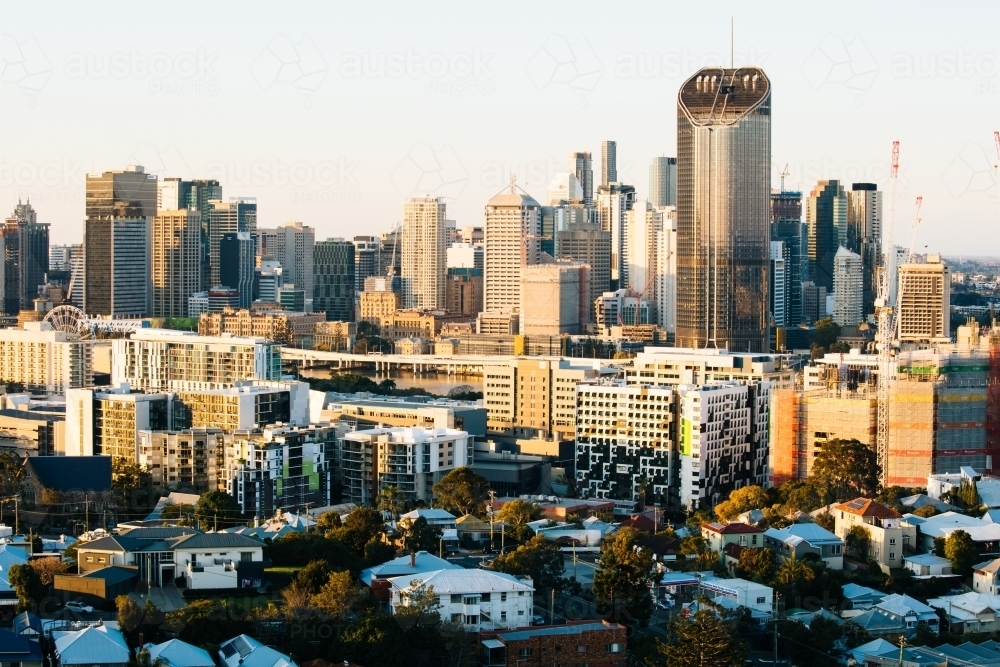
x=477 y=599
x=641 y=523
x=377 y=577
x=664 y=547
x=888 y=533
x=969 y=612
x=877 y=647
x=915 y=502
x=439 y=519
x=176 y=653
x=276 y=527
x=861 y=597
x=9 y=556
x=800 y=539
x=718 y=535
x=28 y=624
x=472 y=530
x=742 y=593
x=877 y=623
x=939 y=525
x=985 y=579
x=21 y=650
x=98 y=586
x=752 y=517
x=245 y=651
x=578 y=642
x=93 y=646
x=908 y=611
x=64 y=481
x=927 y=565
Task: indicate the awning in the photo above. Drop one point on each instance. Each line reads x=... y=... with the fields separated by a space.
x=492 y=643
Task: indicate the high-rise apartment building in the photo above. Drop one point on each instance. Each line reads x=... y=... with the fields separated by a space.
x=723 y=209
x=191 y=459
x=366 y=260
x=120 y=206
x=586 y=242
x=666 y=271
x=176 y=265
x=826 y=220
x=44 y=360
x=291 y=245
x=424 y=253
x=848 y=292
x=176 y=194
x=663 y=181
x=333 y=279
x=643 y=226
x=554 y=298
x=564 y=189
x=779 y=281
x=466 y=256
x=236 y=264
x=813 y=302
x=61 y=257
x=464 y=291
x=609 y=163
x=580 y=165
x=787 y=229
x=613 y=202
x=513 y=223
x=25 y=253
x=239 y=214
x=924 y=301
x=864 y=237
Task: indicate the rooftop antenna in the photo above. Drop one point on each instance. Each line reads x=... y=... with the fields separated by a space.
x=731 y=65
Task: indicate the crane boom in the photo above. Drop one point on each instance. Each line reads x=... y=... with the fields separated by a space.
x=884 y=313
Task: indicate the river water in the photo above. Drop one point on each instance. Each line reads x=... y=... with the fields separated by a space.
x=435 y=383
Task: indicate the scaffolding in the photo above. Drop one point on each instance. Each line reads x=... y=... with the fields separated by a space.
x=993 y=405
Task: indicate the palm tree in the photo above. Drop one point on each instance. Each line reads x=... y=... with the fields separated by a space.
x=391 y=500
x=793 y=571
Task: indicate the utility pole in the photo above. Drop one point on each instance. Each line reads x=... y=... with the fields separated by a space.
x=215 y=524
x=17 y=524
x=775 y=623
x=86 y=512
x=489 y=510
x=552 y=607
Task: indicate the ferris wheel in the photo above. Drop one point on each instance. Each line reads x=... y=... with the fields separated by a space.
x=70 y=319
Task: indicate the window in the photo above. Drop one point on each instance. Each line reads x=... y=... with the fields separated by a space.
x=525 y=652
x=485 y=597
x=456 y=599
x=581 y=648
x=503 y=616
x=471 y=599
x=613 y=648
x=90 y=559
x=101 y=559
x=892 y=555
x=456 y=618
x=503 y=597
x=520 y=612
x=761 y=600
x=892 y=541
x=246 y=556
x=472 y=620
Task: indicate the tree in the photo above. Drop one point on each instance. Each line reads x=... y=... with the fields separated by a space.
x=703 y=640
x=793 y=572
x=462 y=492
x=374 y=639
x=857 y=541
x=26 y=584
x=298 y=549
x=803 y=495
x=756 y=564
x=126 y=475
x=296 y=597
x=515 y=516
x=421 y=606
x=313 y=576
x=391 y=500
x=48 y=568
x=623 y=577
x=962 y=552
x=328 y=521
x=697 y=546
x=377 y=551
x=338 y=596
x=179 y=513
x=360 y=527
x=850 y=469
x=824 y=336
x=418 y=535
x=825 y=519
x=11 y=473
x=538 y=558
x=926 y=511
x=215 y=506
x=130 y=613
x=742 y=500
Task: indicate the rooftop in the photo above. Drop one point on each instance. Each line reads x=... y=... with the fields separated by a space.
x=735 y=528
x=557 y=630
x=868 y=507
x=72 y=473
x=465 y=581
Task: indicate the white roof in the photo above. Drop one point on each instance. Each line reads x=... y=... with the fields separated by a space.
x=851 y=591
x=398 y=567
x=926 y=559
x=94 y=645
x=180 y=654
x=447 y=582
x=939 y=525
x=873 y=648
x=431 y=514
x=245 y=651
x=989 y=491
x=986 y=533
x=812 y=533
x=9 y=556
x=971 y=603
x=902 y=605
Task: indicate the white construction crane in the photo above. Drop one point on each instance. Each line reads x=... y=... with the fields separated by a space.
x=884 y=314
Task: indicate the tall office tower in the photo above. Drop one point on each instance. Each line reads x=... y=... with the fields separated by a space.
x=554 y=296
x=236 y=264
x=60 y=257
x=777 y=294
x=268 y=280
x=366 y=264
x=30 y=253
x=465 y=256
x=333 y=279
x=663 y=181
x=74 y=292
x=924 y=301
x=424 y=253
x=120 y=206
x=609 y=163
x=643 y=225
x=564 y=189
x=613 y=202
x=580 y=165
x=826 y=220
x=787 y=228
x=813 y=302
x=176 y=261
x=175 y=194
x=294 y=242
x=864 y=236
x=239 y=214
x=464 y=290
x=513 y=223
x=666 y=271
x=723 y=190
x=586 y=242
x=848 y=290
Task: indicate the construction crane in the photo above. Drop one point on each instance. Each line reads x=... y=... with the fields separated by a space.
x=784 y=172
x=913 y=234
x=884 y=314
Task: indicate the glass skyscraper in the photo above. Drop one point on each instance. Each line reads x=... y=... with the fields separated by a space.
x=723 y=209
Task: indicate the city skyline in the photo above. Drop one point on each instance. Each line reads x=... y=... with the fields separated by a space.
x=844 y=91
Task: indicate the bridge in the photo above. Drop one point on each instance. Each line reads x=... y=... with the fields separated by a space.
x=384 y=363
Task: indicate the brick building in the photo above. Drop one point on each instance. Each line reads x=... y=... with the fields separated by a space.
x=576 y=643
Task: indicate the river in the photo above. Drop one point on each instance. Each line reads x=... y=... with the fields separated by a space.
x=435 y=383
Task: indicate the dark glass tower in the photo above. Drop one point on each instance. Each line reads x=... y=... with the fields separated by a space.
x=787 y=227
x=723 y=209
x=826 y=218
x=333 y=279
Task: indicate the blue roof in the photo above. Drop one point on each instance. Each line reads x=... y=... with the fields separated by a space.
x=27 y=621
x=854 y=591
x=552 y=630
x=18 y=648
x=72 y=473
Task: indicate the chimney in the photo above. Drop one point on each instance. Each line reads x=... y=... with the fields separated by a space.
x=413 y=559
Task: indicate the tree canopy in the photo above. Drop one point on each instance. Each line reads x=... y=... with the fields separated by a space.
x=703 y=639
x=962 y=551
x=359 y=528
x=419 y=535
x=742 y=500
x=215 y=506
x=849 y=468
x=623 y=576
x=462 y=492
x=538 y=558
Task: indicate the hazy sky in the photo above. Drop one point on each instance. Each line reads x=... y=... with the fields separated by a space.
x=332 y=113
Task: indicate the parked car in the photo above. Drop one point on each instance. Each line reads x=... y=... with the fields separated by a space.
x=537 y=620
x=79 y=607
x=665 y=604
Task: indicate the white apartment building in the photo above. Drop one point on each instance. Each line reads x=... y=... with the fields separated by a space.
x=924 y=301
x=45 y=360
x=411 y=459
x=513 y=227
x=779 y=281
x=643 y=226
x=478 y=599
x=848 y=288
x=674 y=365
x=291 y=245
x=159 y=360
x=666 y=270
x=424 y=255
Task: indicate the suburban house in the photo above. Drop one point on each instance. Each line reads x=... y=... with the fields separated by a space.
x=879 y=624
x=16 y=649
x=801 y=539
x=93 y=646
x=861 y=597
x=477 y=599
x=580 y=642
x=176 y=653
x=985 y=579
x=246 y=651
x=969 y=612
x=377 y=577
x=63 y=482
x=910 y=612
x=942 y=525
x=924 y=566
x=888 y=533
x=472 y=530
x=439 y=519
x=28 y=624
x=9 y=556
x=733 y=593
x=102 y=585
x=718 y=535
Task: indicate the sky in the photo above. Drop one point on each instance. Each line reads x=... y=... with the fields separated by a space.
x=332 y=113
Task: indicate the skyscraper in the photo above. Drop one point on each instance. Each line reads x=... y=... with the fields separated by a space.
x=239 y=214
x=366 y=260
x=236 y=264
x=176 y=261
x=120 y=206
x=291 y=245
x=25 y=253
x=580 y=165
x=723 y=195
x=826 y=220
x=513 y=223
x=424 y=253
x=613 y=202
x=176 y=194
x=333 y=279
x=663 y=181
x=787 y=228
x=643 y=226
x=586 y=242
x=847 y=288
x=864 y=237
x=924 y=301
x=609 y=162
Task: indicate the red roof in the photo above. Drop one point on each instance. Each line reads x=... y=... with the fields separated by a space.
x=640 y=522
x=868 y=507
x=735 y=528
x=732 y=549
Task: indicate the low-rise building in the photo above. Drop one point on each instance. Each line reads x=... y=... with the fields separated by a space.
x=861 y=597
x=290 y=328
x=888 y=532
x=335 y=336
x=800 y=539
x=910 y=612
x=175 y=653
x=412 y=346
x=245 y=651
x=969 y=612
x=719 y=535
x=927 y=565
x=412 y=565
x=425 y=324
x=93 y=646
x=436 y=518
x=758 y=598
x=582 y=642
x=20 y=650
x=477 y=599
x=985 y=577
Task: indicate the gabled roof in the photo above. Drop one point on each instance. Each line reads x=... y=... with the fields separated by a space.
x=155 y=533
x=465 y=581
x=246 y=651
x=18 y=648
x=27 y=621
x=874 y=621
x=397 y=567
x=113 y=574
x=72 y=473
x=94 y=645
x=112 y=543
x=811 y=533
x=639 y=522
x=214 y=541
x=868 y=507
x=873 y=648
x=926 y=559
x=431 y=514
x=855 y=591
x=903 y=604
x=180 y=654
x=989 y=567
x=8 y=557
x=471 y=523
x=734 y=528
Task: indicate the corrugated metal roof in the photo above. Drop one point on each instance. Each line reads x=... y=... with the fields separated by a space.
x=465 y=581
x=180 y=654
x=553 y=630
x=214 y=541
x=95 y=645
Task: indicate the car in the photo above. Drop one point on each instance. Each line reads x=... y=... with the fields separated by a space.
x=79 y=607
x=537 y=620
x=665 y=605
